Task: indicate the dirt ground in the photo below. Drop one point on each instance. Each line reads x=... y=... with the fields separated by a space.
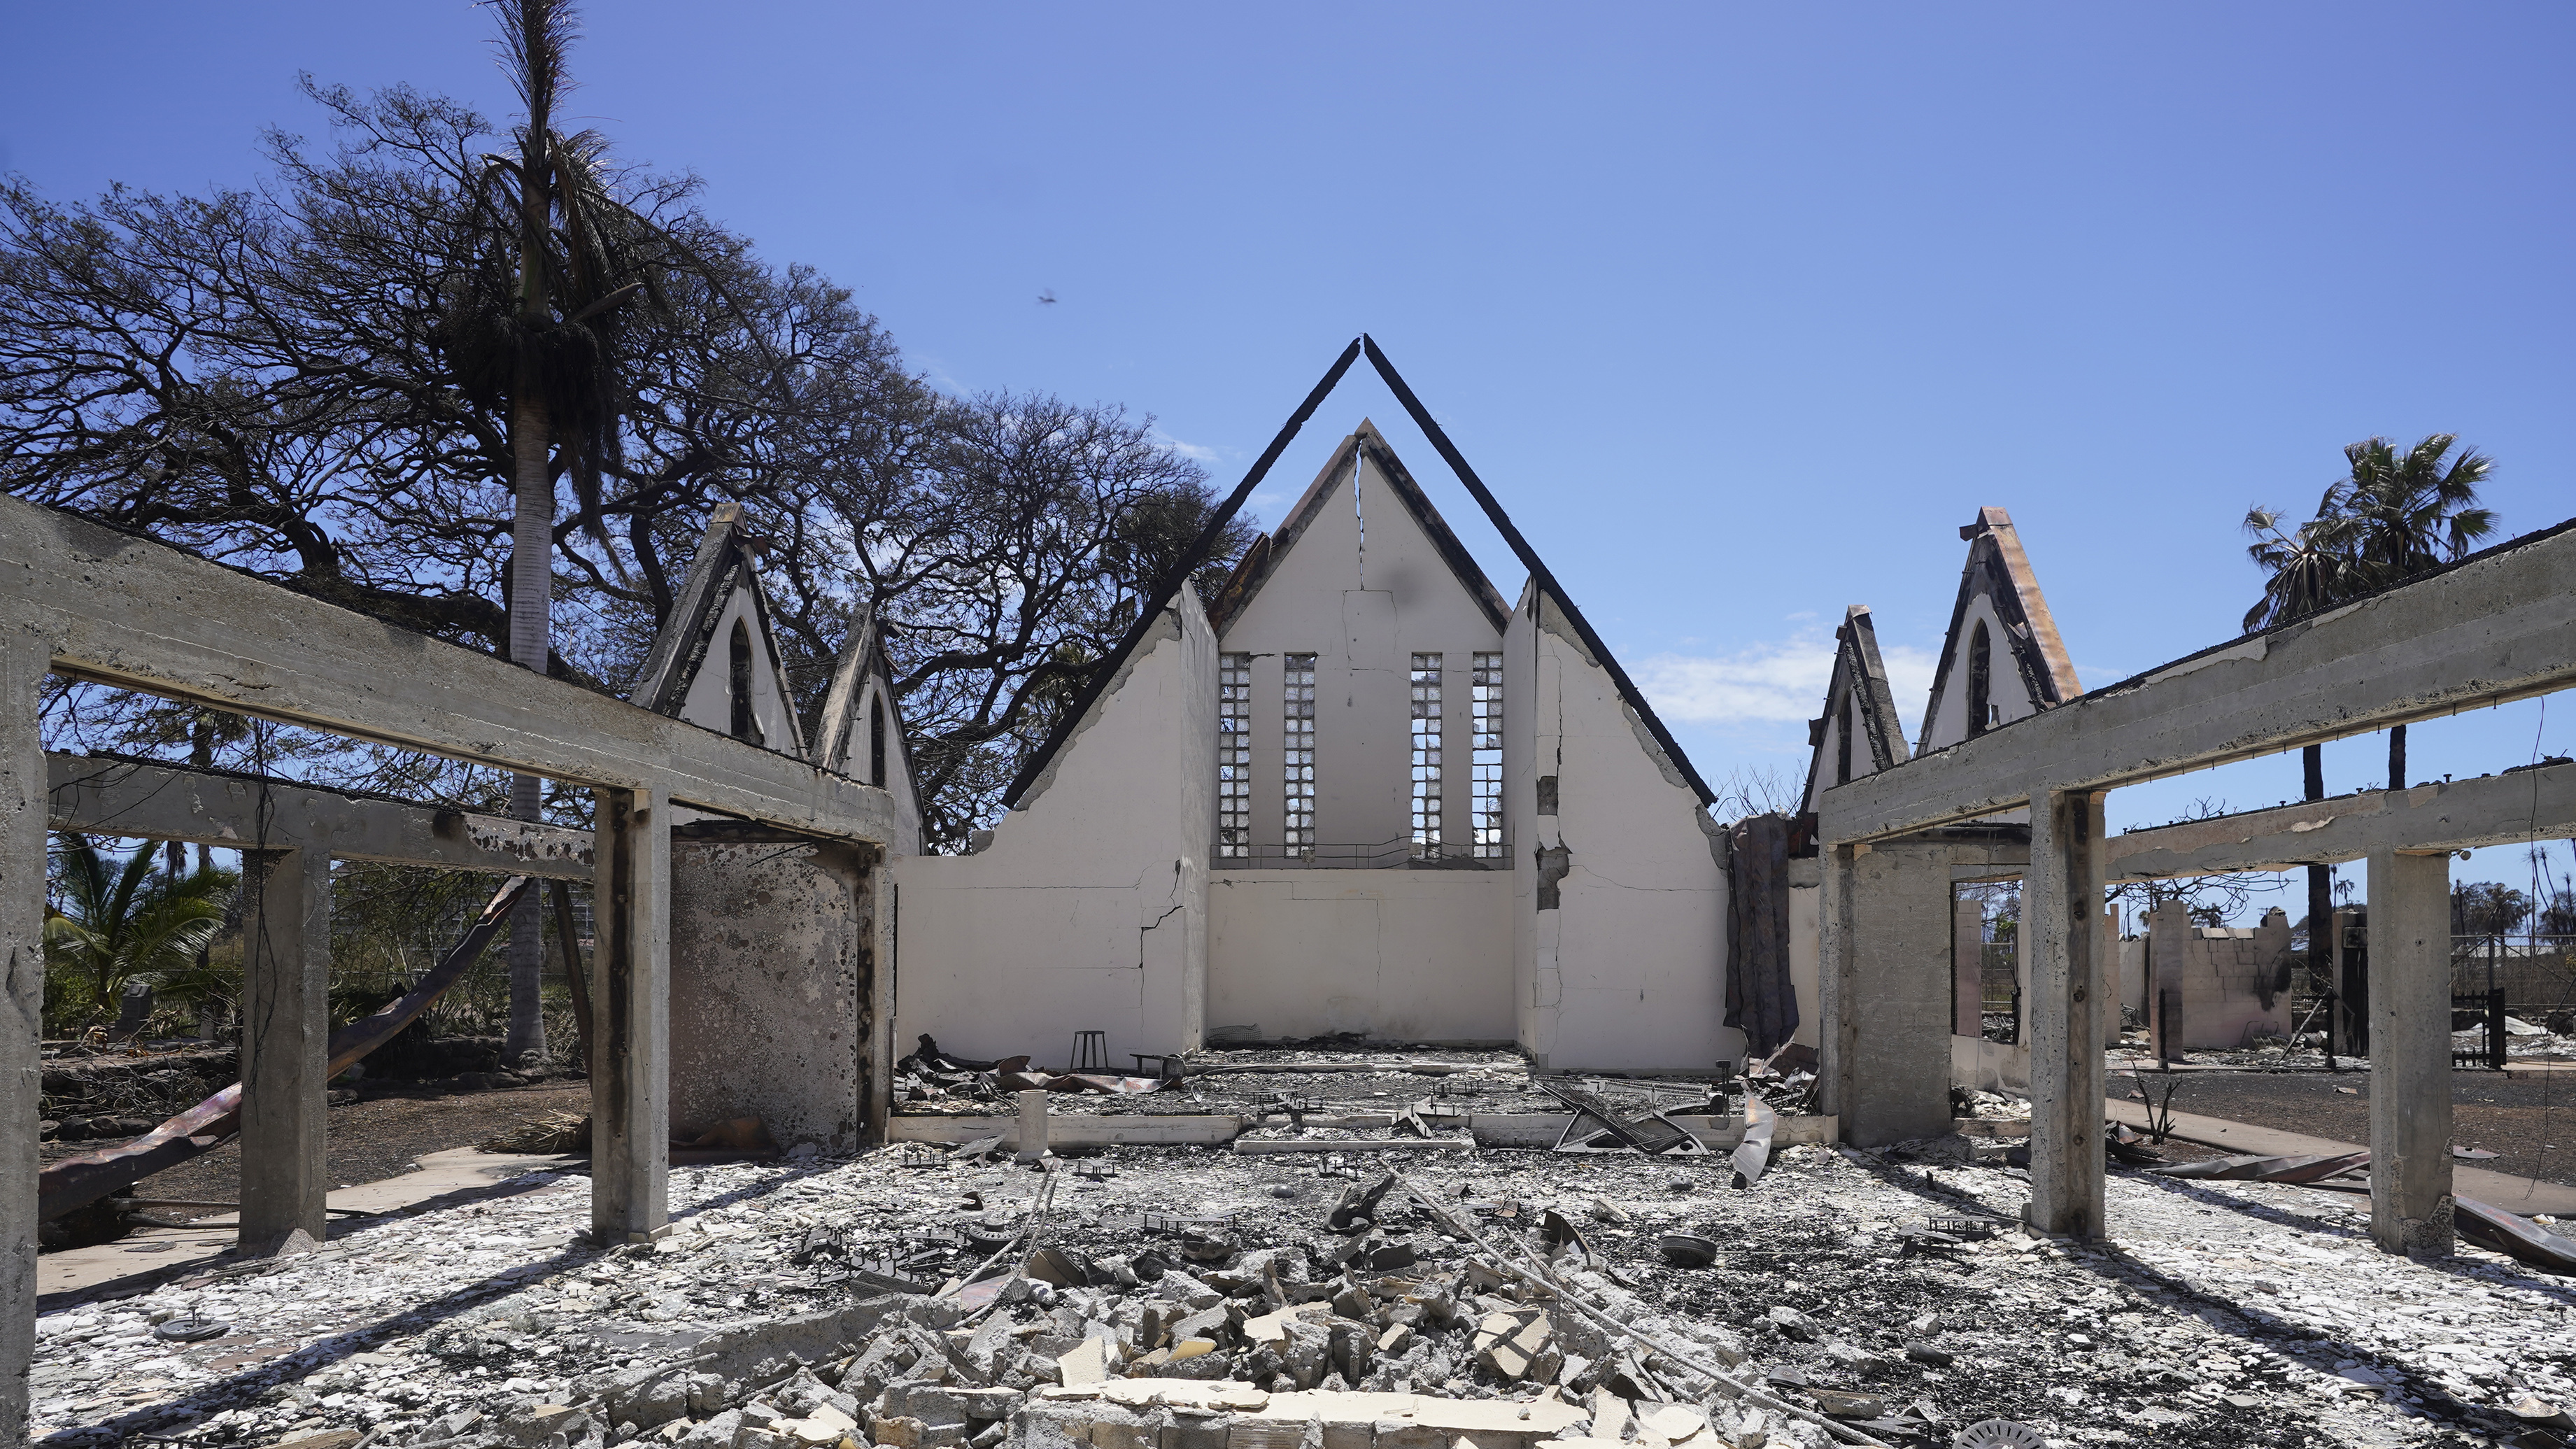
x=2530 y=1124
x=378 y=1136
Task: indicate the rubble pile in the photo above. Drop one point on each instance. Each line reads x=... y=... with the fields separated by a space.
x=1185 y=1294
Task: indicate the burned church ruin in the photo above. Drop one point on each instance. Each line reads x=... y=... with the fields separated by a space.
x=1430 y=1053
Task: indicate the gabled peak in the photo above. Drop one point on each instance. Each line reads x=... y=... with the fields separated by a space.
x=2002 y=659
x=1365 y=448
x=861 y=734
x=1858 y=733
x=716 y=662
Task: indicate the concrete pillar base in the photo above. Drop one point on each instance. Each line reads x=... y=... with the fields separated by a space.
x=2410 y=1056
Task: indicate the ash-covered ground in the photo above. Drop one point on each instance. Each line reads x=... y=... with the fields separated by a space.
x=2220 y=1314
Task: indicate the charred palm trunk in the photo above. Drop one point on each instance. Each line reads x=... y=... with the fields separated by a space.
x=532 y=543
x=531 y=614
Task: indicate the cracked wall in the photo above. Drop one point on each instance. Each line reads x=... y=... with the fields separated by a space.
x=1626 y=969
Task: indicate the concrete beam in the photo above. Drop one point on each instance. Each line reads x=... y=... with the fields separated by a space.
x=169 y=802
x=2442 y=815
x=2061 y=916
x=630 y=995
x=286 y=1044
x=125 y=611
x=2410 y=1053
x=2500 y=626
x=23 y=662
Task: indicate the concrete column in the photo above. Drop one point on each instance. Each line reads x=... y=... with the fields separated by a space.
x=2061 y=913
x=1834 y=1064
x=1887 y=1012
x=630 y=994
x=286 y=1044
x=1033 y=1126
x=2169 y=935
x=2410 y=1053
x=23 y=660
x=1967 y=968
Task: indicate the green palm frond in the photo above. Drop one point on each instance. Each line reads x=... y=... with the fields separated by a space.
x=114 y=920
x=2392 y=516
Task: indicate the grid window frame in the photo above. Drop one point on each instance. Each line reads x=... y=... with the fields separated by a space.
x=1297 y=754
x=1234 y=757
x=1485 y=754
x=1424 y=689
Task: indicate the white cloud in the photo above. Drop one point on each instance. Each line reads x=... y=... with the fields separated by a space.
x=1187 y=450
x=1772 y=683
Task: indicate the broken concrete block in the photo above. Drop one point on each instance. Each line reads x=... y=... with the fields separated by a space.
x=1396 y=1339
x=1839 y=1404
x=531 y=1425
x=1086 y=1363
x=939 y=1412
x=714 y=1433
x=1611 y=1415
x=1792 y=1323
x=335 y=1439
x=1508 y=1344
x=1670 y=1424
x=896 y=1433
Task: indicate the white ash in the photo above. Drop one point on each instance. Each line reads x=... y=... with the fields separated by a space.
x=2224 y=1313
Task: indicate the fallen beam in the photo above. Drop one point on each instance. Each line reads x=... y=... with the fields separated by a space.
x=1069 y=1129
x=73 y=1182
x=1253 y=1146
x=1532 y=1130
x=104 y=796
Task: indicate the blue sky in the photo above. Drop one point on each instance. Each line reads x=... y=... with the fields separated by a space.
x=1741 y=311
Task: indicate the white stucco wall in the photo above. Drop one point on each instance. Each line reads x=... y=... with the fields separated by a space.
x=1629 y=971
x=1805 y=902
x=1362 y=607
x=1410 y=955
x=1088 y=910
x=709 y=702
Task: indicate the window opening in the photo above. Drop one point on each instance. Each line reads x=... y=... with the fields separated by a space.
x=1234 y=756
x=876 y=740
x=1485 y=760
x=1297 y=711
x=1981 y=666
x=738 y=684
x=1426 y=756
x=1842 y=744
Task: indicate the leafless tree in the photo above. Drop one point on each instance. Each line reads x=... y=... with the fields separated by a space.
x=272 y=376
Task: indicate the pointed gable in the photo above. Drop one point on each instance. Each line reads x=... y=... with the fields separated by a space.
x=1362 y=469
x=716 y=663
x=2002 y=659
x=861 y=732
x=1858 y=733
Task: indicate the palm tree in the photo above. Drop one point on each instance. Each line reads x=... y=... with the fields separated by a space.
x=533 y=326
x=113 y=921
x=2406 y=515
x=2388 y=519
